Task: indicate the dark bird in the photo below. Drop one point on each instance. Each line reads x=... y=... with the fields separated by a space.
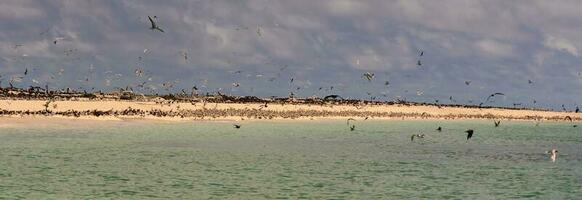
x=416 y=135
x=419 y=63
x=369 y=76
x=237 y=126
x=493 y=95
x=467 y=82
x=421 y=53
x=469 y=133
x=352 y=127
x=568 y=118
x=333 y=96
x=577 y=109
x=25 y=71
x=497 y=123
x=386 y=83
x=530 y=81
x=154 y=25
x=439 y=129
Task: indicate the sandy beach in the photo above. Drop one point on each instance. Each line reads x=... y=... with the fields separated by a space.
x=112 y=110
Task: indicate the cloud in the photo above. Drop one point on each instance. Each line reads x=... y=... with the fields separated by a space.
x=560 y=44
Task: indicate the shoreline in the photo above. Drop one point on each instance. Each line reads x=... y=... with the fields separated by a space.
x=116 y=110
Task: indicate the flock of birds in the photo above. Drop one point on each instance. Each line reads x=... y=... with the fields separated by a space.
x=143 y=77
x=470 y=132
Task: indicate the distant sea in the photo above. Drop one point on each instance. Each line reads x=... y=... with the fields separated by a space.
x=291 y=160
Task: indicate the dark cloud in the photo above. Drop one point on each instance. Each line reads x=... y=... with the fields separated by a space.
x=498 y=45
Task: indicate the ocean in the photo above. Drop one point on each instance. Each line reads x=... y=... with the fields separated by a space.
x=291 y=160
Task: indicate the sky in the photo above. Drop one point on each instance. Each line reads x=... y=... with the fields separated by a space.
x=527 y=49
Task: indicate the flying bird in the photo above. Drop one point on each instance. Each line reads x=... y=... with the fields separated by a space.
x=530 y=81
x=237 y=126
x=419 y=63
x=416 y=135
x=421 y=53
x=568 y=118
x=553 y=154
x=439 y=129
x=25 y=71
x=469 y=133
x=154 y=25
x=352 y=127
x=467 y=82
x=497 y=123
x=493 y=95
x=369 y=76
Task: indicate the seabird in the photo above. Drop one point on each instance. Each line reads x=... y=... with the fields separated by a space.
x=497 y=123
x=467 y=82
x=237 y=126
x=416 y=135
x=439 y=129
x=154 y=25
x=353 y=127
x=553 y=154
x=493 y=95
x=369 y=76
x=469 y=133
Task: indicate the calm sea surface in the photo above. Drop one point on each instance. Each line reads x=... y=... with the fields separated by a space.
x=290 y=160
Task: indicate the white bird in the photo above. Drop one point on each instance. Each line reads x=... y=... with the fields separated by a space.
x=553 y=154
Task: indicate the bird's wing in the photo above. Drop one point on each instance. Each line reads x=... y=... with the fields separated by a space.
x=152 y=22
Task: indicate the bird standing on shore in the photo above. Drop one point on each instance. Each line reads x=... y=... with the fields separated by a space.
x=154 y=25
x=469 y=133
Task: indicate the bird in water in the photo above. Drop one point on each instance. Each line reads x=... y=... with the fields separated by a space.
x=351 y=126
x=469 y=133
x=439 y=129
x=154 y=25
x=416 y=135
x=237 y=126
x=553 y=154
x=497 y=123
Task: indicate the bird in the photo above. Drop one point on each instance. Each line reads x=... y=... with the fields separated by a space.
x=553 y=154
x=348 y=121
x=421 y=53
x=237 y=126
x=25 y=71
x=386 y=83
x=568 y=118
x=497 y=123
x=493 y=95
x=467 y=82
x=530 y=81
x=416 y=135
x=577 y=109
x=369 y=76
x=439 y=129
x=469 y=133
x=352 y=127
x=419 y=63
x=154 y=25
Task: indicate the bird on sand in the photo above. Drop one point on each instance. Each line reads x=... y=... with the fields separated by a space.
x=553 y=154
x=416 y=135
x=237 y=126
x=469 y=133
x=154 y=25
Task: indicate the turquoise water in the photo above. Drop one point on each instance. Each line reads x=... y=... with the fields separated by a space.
x=290 y=160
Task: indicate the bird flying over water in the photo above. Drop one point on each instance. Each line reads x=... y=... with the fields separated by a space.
x=237 y=126
x=416 y=135
x=497 y=123
x=469 y=133
x=154 y=25
x=439 y=129
x=467 y=82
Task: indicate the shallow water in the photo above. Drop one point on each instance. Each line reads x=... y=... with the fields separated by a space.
x=291 y=160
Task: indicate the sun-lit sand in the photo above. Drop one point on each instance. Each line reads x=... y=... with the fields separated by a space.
x=117 y=110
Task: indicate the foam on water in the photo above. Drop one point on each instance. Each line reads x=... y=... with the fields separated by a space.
x=292 y=160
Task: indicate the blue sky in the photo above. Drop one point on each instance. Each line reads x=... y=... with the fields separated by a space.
x=497 y=45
